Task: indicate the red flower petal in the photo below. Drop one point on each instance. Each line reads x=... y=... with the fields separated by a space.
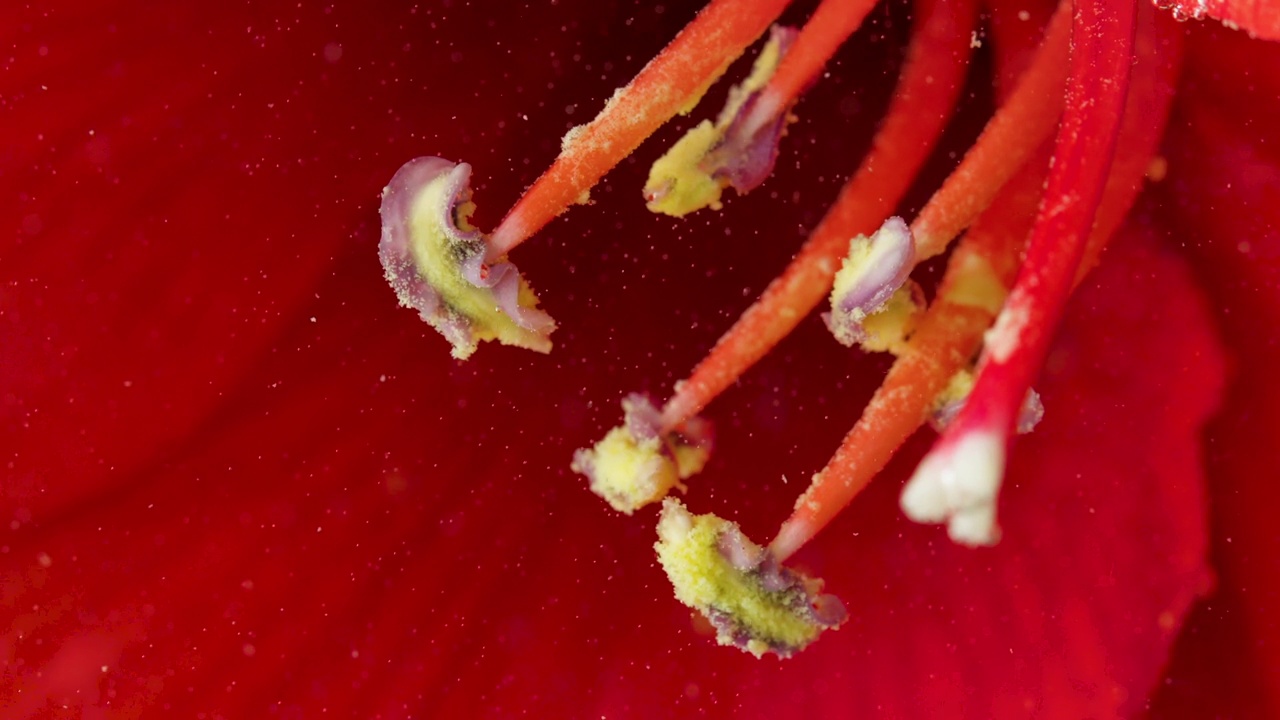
x=305 y=507
x=287 y=564
x=1224 y=167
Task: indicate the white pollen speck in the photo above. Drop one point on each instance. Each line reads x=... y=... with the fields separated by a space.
x=1002 y=339
x=1023 y=15
x=44 y=559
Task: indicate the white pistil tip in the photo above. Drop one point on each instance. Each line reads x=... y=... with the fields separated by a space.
x=959 y=484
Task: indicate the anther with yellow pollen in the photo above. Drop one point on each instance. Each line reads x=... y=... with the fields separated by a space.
x=637 y=463
x=740 y=148
x=435 y=261
x=752 y=601
x=1032 y=212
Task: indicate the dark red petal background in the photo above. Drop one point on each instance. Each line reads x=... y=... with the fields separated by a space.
x=1219 y=203
x=239 y=482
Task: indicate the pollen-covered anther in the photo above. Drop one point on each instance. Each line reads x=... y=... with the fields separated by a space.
x=434 y=260
x=872 y=302
x=951 y=401
x=959 y=483
x=738 y=150
x=753 y=602
x=638 y=463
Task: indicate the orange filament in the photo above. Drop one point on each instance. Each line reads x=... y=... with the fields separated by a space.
x=926 y=94
x=829 y=26
x=950 y=332
x=1015 y=31
x=672 y=81
x=1006 y=143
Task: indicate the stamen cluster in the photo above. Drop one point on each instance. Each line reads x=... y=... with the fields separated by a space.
x=1024 y=214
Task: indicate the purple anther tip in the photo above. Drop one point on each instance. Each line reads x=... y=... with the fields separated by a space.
x=462 y=253
x=746 y=154
x=395 y=248
x=885 y=269
x=1029 y=415
x=802 y=595
x=876 y=267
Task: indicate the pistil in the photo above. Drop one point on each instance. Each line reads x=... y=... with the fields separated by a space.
x=958 y=480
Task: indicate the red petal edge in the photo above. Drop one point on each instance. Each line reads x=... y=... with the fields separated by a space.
x=1259 y=18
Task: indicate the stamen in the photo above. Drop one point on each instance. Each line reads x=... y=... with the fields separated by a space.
x=941 y=36
x=434 y=260
x=741 y=147
x=754 y=602
x=637 y=463
x=959 y=478
x=871 y=276
x=462 y=285
x=930 y=82
x=672 y=82
x=712 y=156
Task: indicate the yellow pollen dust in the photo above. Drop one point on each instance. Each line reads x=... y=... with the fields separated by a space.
x=852 y=268
x=957 y=390
x=630 y=474
x=764 y=620
x=889 y=328
x=885 y=328
x=976 y=285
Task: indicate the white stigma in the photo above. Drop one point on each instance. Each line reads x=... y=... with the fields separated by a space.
x=959 y=484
